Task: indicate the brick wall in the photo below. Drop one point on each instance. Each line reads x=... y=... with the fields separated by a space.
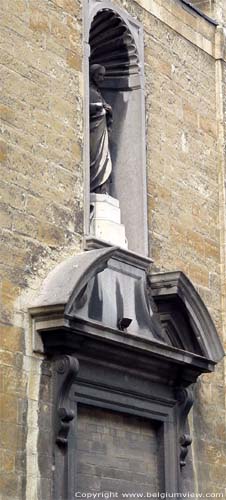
x=117 y=453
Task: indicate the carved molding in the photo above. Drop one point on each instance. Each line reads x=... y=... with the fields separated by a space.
x=185 y=399
x=67 y=368
x=185 y=442
x=113 y=46
x=175 y=286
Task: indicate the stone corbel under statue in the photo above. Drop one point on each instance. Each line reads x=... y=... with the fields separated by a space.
x=105 y=221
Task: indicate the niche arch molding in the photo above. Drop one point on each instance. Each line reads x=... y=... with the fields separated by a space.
x=127 y=143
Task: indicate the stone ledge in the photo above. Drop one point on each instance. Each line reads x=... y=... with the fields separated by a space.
x=190 y=23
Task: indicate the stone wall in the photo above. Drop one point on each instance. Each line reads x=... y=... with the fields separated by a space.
x=219 y=10
x=183 y=193
x=41 y=107
x=41 y=152
x=184 y=164
x=215 y=9
x=206 y=6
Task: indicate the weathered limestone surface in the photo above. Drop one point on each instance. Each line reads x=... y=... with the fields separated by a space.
x=218 y=10
x=186 y=189
x=41 y=188
x=206 y=6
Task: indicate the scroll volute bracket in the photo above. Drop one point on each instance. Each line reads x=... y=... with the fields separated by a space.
x=66 y=370
x=185 y=398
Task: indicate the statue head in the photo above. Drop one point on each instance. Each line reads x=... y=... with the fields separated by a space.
x=97 y=73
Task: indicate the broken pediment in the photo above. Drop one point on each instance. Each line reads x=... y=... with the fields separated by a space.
x=186 y=321
x=105 y=287
x=106 y=294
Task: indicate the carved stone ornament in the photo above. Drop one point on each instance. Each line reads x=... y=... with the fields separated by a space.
x=93 y=291
x=67 y=369
x=134 y=338
x=100 y=126
x=185 y=398
x=112 y=45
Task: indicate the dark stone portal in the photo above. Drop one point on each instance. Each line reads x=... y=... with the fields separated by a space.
x=121 y=396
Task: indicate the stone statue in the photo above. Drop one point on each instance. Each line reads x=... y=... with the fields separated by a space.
x=100 y=126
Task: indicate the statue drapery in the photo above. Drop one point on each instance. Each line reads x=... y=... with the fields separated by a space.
x=100 y=126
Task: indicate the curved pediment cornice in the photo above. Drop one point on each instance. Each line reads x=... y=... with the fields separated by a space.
x=182 y=308
x=104 y=301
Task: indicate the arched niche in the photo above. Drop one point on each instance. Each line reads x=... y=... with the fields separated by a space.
x=115 y=40
x=112 y=44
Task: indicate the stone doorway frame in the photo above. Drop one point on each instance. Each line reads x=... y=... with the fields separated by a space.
x=136 y=370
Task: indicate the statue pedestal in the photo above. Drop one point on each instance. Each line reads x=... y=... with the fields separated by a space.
x=106 y=220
